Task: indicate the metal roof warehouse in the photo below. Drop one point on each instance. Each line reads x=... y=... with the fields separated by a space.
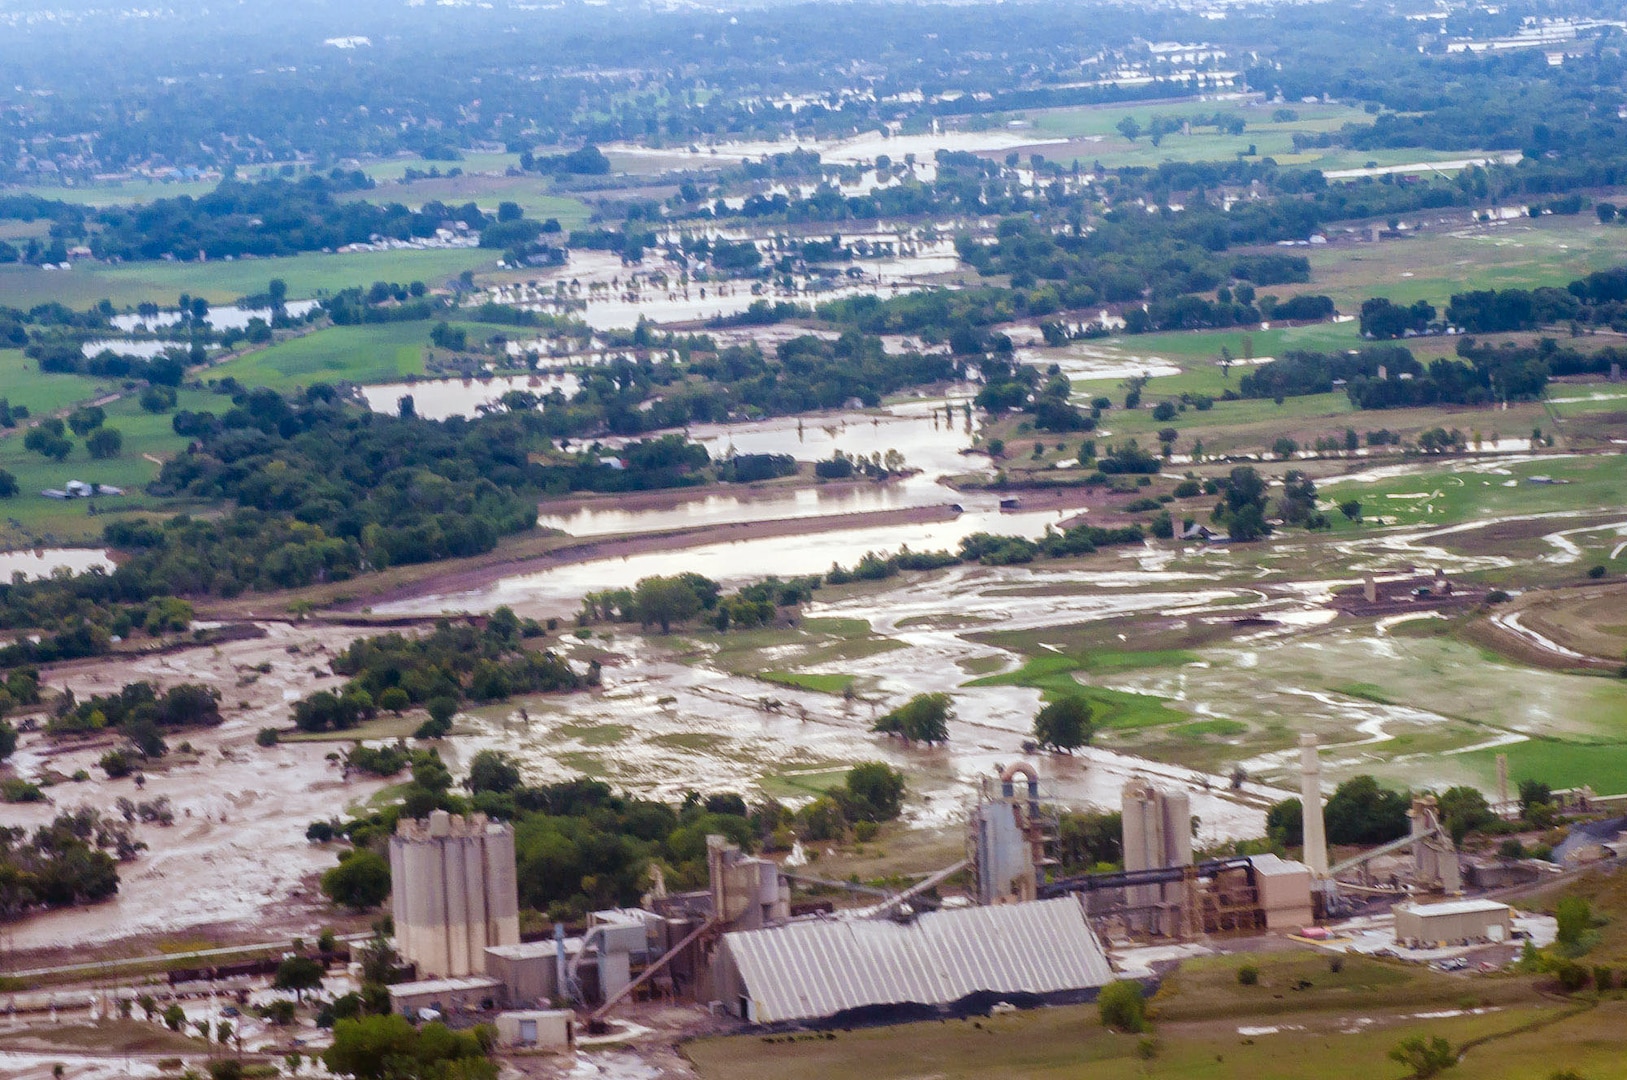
x=826 y=968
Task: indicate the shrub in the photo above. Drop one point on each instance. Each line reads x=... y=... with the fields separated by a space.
x=1122 y=1006
x=1425 y=1057
x=266 y=736
x=1248 y=975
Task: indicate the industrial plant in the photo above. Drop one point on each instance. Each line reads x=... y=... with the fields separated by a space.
x=1018 y=933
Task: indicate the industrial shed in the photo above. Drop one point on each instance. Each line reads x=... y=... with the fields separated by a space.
x=1452 y=923
x=943 y=962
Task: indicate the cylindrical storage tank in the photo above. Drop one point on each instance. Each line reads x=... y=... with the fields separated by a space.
x=457 y=906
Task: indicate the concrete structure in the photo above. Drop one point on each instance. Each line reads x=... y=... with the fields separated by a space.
x=940 y=963
x=1284 y=892
x=1434 y=856
x=1456 y=922
x=454 y=892
x=1010 y=834
x=445 y=995
x=747 y=893
x=1158 y=834
x=537 y=1029
x=529 y=971
x=1310 y=799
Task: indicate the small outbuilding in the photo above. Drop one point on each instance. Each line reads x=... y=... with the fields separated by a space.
x=475 y=992
x=1456 y=922
x=537 y=1029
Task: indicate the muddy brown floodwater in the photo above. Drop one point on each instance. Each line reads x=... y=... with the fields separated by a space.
x=237 y=852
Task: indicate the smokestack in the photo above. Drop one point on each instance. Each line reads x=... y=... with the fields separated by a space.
x=1310 y=795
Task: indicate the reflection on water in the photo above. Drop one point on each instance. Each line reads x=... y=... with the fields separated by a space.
x=40 y=562
x=930 y=441
x=731 y=508
x=227 y=317
x=437 y=399
x=732 y=563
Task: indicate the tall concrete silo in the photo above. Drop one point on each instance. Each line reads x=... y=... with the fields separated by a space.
x=1157 y=835
x=454 y=891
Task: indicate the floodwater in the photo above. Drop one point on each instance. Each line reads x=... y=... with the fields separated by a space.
x=42 y=562
x=1084 y=362
x=146 y=350
x=932 y=443
x=226 y=317
x=437 y=399
x=733 y=563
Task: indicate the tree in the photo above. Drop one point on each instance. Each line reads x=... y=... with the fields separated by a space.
x=360 y=881
x=1575 y=918
x=665 y=600
x=1122 y=1006
x=875 y=790
x=47 y=440
x=491 y=770
x=8 y=485
x=1463 y=810
x=1361 y=812
x=1065 y=724
x=1351 y=509
x=299 y=974
x=395 y=700
x=104 y=443
x=175 y=1018
x=1425 y=1057
x=1534 y=793
x=1285 y=822
x=85 y=419
x=389 y=1048
x=1129 y=127
x=923 y=718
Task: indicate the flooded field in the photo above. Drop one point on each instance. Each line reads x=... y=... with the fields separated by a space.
x=237 y=852
x=437 y=399
x=225 y=317
x=42 y=562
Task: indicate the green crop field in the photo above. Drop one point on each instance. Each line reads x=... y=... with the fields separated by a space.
x=375 y=352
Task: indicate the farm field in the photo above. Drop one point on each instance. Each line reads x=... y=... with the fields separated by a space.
x=22 y=383
x=221 y=282
x=373 y=352
x=1442 y=260
x=31 y=519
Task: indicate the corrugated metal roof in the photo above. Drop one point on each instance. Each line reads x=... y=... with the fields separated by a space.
x=808 y=970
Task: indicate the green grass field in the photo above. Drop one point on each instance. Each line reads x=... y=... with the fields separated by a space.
x=1112 y=710
x=31 y=518
x=1433 y=265
x=1301 y=1021
x=22 y=383
x=1097 y=124
x=220 y=282
x=375 y=352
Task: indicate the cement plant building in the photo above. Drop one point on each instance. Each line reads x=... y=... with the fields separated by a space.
x=453 y=891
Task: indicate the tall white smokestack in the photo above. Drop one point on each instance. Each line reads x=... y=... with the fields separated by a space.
x=1310 y=797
